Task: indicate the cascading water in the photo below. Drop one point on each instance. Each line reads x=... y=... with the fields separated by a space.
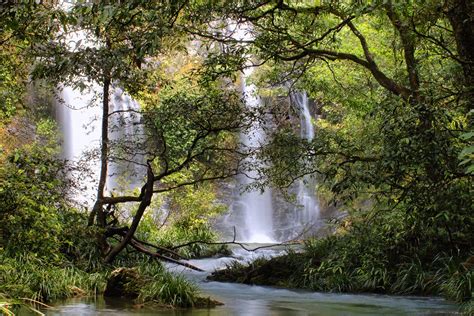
x=253 y=213
x=256 y=206
x=127 y=134
x=79 y=121
x=307 y=216
x=78 y=114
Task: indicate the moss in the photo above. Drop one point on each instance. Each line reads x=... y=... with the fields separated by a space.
x=123 y=282
x=278 y=271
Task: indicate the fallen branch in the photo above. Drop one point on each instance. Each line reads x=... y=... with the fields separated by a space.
x=159 y=248
x=142 y=249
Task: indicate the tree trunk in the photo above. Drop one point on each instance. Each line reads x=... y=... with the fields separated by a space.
x=145 y=202
x=461 y=17
x=98 y=209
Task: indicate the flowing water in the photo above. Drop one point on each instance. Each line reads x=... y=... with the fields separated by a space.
x=263 y=216
x=79 y=116
x=307 y=217
x=79 y=121
x=256 y=206
x=246 y=300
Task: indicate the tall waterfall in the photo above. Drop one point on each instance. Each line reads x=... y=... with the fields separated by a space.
x=306 y=217
x=79 y=121
x=79 y=117
x=78 y=113
x=256 y=206
x=267 y=217
x=127 y=167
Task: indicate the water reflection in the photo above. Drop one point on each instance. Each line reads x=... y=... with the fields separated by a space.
x=240 y=299
x=252 y=304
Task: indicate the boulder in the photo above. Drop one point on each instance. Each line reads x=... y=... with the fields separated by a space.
x=123 y=282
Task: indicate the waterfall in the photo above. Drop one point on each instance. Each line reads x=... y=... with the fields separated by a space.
x=307 y=211
x=253 y=213
x=127 y=167
x=79 y=122
x=257 y=206
x=267 y=217
x=78 y=114
x=79 y=118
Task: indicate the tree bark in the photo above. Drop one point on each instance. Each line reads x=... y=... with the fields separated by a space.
x=408 y=42
x=98 y=210
x=461 y=18
x=145 y=202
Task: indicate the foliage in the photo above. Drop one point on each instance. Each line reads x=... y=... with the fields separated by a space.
x=188 y=217
x=12 y=74
x=31 y=277
x=389 y=140
x=466 y=156
x=24 y=25
x=362 y=258
x=393 y=82
x=277 y=271
x=33 y=196
x=195 y=122
x=26 y=276
x=162 y=287
x=379 y=259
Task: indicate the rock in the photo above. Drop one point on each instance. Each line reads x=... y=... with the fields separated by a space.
x=123 y=282
x=77 y=292
x=207 y=302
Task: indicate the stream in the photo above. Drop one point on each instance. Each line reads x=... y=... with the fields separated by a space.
x=240 y=299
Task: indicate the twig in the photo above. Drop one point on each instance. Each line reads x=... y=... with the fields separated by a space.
x=233 y=242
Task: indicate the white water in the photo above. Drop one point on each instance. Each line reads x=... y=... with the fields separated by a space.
x=128 y=168
x=248 y=300
x=79 y=116
x=254 y=214
x=255 y=221
x=257 y=206
x=306 y=216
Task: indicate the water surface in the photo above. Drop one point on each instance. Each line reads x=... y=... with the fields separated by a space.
x=240 y=299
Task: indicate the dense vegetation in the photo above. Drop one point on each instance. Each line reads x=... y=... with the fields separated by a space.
x=393 y=84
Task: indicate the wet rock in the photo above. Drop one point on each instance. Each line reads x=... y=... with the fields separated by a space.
x=123 y=282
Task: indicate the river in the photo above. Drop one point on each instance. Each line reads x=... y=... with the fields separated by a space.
x=240 y=299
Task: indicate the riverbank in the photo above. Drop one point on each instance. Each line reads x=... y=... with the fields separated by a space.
x=241 y=299
x=313 y=270
x=29 y=281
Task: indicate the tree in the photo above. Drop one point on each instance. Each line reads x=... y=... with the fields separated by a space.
x=190 y=126
x=392 y=133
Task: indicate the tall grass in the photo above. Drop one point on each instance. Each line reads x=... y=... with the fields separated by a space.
x=160 y=286
x=29 y=277
x=32 y=278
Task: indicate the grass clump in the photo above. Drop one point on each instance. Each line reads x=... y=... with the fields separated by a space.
x=162 y=287
x=384 y=257
x=34 y=278
x=148 y=282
